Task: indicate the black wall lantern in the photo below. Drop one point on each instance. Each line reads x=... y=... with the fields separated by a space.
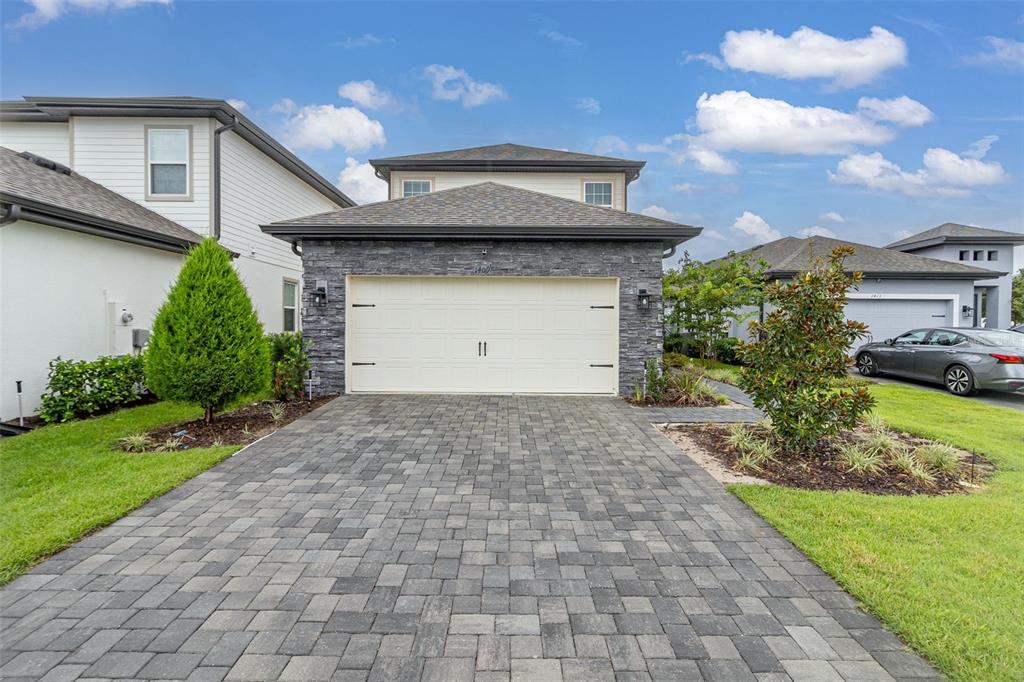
x=643 y=300
x=319 y=293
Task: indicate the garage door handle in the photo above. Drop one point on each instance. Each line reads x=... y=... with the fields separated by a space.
x=603 y=307
x=602 y=365
x=357 y=364
x=479 y=344
x=364 y=305
x=485 y=349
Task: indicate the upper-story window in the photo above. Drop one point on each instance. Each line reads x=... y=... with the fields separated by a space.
x=993 y=255
x=168 y=163
x=597 y=193
x=979 y=255
x=414 y=188
x=965 y=254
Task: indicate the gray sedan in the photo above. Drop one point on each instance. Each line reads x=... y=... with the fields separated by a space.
x=962 y=359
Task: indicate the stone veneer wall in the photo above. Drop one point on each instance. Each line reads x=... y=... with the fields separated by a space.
x=636 y=264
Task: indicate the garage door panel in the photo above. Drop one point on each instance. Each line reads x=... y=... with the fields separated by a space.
x=424 y=334
x=888 y=317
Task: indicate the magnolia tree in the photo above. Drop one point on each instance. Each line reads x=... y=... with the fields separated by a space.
x=207 y=344
x=796 y=367
x=705 y=297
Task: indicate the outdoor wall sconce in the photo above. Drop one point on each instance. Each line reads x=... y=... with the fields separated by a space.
x=643 y=300
x=319 y=293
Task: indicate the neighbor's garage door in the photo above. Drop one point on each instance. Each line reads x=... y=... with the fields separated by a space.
x=887 y=318
x=482 y=335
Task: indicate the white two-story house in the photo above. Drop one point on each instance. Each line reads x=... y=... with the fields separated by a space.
x=100 y=199
x=497 y=269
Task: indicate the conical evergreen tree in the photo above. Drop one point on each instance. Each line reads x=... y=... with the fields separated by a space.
x=207 y=343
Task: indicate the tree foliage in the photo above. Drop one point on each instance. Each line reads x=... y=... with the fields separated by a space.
x=1017 y=298
x=207 y=344
x=796 y=368
x=290 y=363
x=704 y=297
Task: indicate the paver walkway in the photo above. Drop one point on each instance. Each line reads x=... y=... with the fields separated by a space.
x=445 y=538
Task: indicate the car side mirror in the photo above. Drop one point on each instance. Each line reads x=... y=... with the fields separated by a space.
x=889 y=342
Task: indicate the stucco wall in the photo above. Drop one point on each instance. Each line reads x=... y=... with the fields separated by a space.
x=636 y=264
x=998 y=287
x=55 y=288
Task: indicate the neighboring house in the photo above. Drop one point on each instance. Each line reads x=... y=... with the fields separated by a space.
x=900 y=291
x=979 y=246
x=198 y=163
x=525 y=276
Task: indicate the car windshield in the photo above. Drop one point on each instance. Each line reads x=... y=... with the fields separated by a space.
x=999 y=338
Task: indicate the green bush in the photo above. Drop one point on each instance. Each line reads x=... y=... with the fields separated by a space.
x=290 y=363
x=79 y=388
x=796 y=368
x=207 y=344
x=725 y=351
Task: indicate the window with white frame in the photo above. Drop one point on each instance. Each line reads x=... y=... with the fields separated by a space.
x=597 y=193
x=168 y=152
x=290 y=294
x=414 y=188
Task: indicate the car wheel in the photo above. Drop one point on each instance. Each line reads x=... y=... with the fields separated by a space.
x=959 y=380
x=866 y=365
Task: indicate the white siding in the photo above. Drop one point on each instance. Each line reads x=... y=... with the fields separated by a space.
x=112 y=152
x=45 y=139
x=54 y=288
x=566 y=185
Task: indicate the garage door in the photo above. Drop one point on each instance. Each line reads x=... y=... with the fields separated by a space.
x=482 y=335
x=887 y=318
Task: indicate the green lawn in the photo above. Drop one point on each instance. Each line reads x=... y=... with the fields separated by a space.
x=945 y=573
x=60 y=482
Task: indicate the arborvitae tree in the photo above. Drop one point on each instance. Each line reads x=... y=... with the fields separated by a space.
x=207 y=344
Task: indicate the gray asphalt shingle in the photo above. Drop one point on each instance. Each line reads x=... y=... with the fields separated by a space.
x=958 y=231
x=503 y=152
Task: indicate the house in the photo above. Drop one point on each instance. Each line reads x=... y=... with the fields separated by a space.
x=900 y=291
x=500 y=269
x=983 y=247
x=100 y=209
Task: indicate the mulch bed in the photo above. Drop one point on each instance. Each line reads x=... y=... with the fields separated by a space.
x=683 y=401
x=821 y=471
x=239 y=427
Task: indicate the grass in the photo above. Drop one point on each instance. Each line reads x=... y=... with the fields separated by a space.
x=942 y=572
x=60 y=482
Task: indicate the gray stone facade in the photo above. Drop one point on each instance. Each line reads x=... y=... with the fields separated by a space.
x=636 y=264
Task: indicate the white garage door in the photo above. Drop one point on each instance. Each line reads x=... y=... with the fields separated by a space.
x=482 y=335
x=889 y=317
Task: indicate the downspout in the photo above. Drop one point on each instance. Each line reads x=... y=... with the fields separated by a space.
x=13 y=214
x=295 y=249
x=669 y=252
x=216 y=174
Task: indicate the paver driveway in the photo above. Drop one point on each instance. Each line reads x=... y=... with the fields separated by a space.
x=445 y=538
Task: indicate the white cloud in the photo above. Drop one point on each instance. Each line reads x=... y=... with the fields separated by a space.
x=239 y=104
x=710 y=160
x=366 y=94
x=816 y=231
x=739 y=121
x=324 y=126
x=587 y=105
x=561 y=39
x=660 y=212
x=45 y=11
x=692 y=188
x=284 y=106
x=832 y=216
x=902 y=111
x=364 y=40
x=756 y=228
x=944 y=174
x=808 y=53
x=978 y=150
x=455 y=85
x=712 y=60
x=360 y=183
x=609 y=144
x=1001 y=52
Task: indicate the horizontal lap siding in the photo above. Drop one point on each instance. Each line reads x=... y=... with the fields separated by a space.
x=49 y=140
x=565 y=185
x=636 y=264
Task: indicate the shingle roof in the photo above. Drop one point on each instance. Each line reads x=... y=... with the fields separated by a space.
x=487 y=208
x=954 y=232
x=794 y=254
x=508 y=157
x=76 y=198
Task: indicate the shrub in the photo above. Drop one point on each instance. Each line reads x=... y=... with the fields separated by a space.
x=276 y=411
x=759 y=453
x=79 y=388
x=725 y=351
x=938 y=457
x=794 y=367
x=207 y=343
x=689 y=387
x=880 y=444
x=675 y=359
x=874 y=423
x=290 y=363
x=655 y=380
x=135 y=442
x=856 y=459
x=680 y=343
x=740 y=437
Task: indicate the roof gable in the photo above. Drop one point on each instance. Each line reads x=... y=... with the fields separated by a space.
x=790 y=255
x=956 y=233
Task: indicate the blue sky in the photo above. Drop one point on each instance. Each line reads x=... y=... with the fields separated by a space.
x=862 y=120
